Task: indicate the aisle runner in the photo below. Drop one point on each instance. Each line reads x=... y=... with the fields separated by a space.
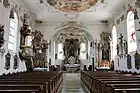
x=72 y=83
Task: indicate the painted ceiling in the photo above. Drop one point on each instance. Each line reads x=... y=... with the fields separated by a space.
x=86 y=11
x=71 y=5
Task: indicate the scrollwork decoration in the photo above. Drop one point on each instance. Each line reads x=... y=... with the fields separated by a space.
x=137 y=4
x=1 y=35
x=6 y=3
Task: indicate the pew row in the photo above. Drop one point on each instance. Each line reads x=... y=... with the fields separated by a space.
x=110 y=82
x=31 y=82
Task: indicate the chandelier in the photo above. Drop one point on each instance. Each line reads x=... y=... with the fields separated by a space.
x=72 y=5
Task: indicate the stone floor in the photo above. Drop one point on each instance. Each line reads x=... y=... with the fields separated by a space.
x=72 y=84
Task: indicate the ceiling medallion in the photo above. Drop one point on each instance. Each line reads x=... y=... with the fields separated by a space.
x=72 y=5
x=71 y=16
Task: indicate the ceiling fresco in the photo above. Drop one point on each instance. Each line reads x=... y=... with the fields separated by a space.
x=90 y=12
x=71 y=5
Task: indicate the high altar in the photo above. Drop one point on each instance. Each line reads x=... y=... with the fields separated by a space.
x=72 y=67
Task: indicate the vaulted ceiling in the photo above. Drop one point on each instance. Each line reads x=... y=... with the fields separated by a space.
x=98 y=12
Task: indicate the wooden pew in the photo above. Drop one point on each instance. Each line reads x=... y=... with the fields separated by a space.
x=96 y=82
x=46 y=82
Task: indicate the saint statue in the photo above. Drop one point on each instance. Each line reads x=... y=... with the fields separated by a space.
x=137 y=60
x=12 y=13
x=24 y=32
x=15 y=62
x=117 y=47
x=7 y=61
x=125 y=47
x=121 y=44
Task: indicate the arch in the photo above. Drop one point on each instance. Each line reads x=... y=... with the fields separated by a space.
x=78 y=27
x=12 y=41
x=86 y=35
x=71 y=31
x=131 y=35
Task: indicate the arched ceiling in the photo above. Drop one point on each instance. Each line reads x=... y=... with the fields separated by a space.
x=71 y=30
x=96 y=13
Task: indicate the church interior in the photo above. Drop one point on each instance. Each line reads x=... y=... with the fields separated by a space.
x=69 y=46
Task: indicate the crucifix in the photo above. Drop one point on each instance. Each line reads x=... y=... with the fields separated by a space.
x=121 y=43
x=132 y=36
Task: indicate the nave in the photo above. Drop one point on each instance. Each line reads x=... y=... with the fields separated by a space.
x=96 y=42
x=72 y=84
x=60 y=82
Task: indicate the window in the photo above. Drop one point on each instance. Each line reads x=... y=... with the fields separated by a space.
x=132 y=44
x=114 y=42
x=83 y=51
x=13 y=33
x=60 y=51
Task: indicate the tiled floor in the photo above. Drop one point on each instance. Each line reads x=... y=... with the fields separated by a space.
x=72 y=84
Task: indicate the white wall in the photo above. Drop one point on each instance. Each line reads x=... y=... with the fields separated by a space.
x=4 y=19
x=122 y=28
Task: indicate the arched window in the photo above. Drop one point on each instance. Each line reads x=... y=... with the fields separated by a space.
x=60 y=51
x=12 y=41
x=132 y=44
x=83 y=51
x=114 y=42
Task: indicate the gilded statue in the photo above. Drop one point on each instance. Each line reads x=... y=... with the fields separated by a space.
x=24 y=32
x=37 y=37
x=104 y=38
x=105 y=43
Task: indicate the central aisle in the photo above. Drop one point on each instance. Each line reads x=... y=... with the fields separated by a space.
x=72 y=84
